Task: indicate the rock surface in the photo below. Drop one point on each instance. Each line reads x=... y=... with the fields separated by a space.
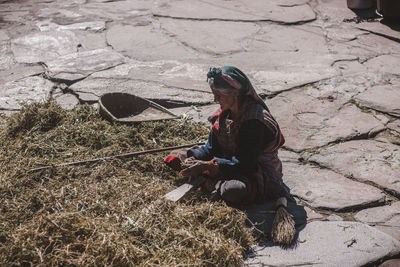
x=386 y=218
x=325 y=189
x=44 y=46
x=370 y=161
x=330 y=244
x=382 y=98
x=313 y=121
x=79 y=65
x=331 y=76
x=25 y=90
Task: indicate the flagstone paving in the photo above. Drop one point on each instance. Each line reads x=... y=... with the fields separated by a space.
x=331 y=80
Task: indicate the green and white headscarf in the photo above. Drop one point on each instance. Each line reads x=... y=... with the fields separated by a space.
x=229 y=80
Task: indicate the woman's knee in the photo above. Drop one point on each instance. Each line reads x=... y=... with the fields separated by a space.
x=233 y=191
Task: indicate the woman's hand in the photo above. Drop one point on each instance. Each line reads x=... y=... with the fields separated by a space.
x=194 y=167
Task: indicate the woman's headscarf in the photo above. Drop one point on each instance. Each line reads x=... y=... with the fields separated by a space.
x=229 y=80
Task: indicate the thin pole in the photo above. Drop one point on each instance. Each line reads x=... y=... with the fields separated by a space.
x=137 y=153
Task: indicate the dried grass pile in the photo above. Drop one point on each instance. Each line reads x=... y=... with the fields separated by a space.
x=110 y=212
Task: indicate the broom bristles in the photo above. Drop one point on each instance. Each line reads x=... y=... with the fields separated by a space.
x=283 y=229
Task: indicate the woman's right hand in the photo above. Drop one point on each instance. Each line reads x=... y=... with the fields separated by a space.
x=194 y=167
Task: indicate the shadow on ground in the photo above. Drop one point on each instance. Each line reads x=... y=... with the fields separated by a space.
x=262 y=216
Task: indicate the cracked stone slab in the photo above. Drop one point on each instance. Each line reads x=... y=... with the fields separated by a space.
x=256 y=10
x=91 y=89
x=79 y=65
x=313 y=215
x=382 y=98
x=185 y=75
x=44 y=46
x=117 y=10
x=19 y=71
x=380 y=29
x=197 y=113
x=343 y=33
x=65 y=100
x=385 y=63
x=330 y=244
x=334 y=12
x=378 y=44
x=225 y=37
x=7 y=58
x=386 y=218
x=289 y=156
x=47 y=25
x=394 y=125
x=24 y=90
x=91 y=40
x=364 y=160
x=334 y=217
x=59 y=13
x=4 y=36
x=325 y=189
x=351 y=84
x=146 y=42
x=308 y=121
x=283 y=70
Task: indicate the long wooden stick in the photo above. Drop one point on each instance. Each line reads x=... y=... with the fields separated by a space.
x=137 y=153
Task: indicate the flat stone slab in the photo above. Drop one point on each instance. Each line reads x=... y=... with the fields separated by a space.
x=116 y=10
x=146 y=42
x=24 y=90
x=380 y=29
x=44 y=46
x=309 y=121
x=225 y=37
x=385 y=63
x=381 y=98
x=171 y=73
x=65 y=100
x=364 y=160
x=285 y=69
x=7 y=58
x=386 y=218
x=197 y=113
x=79 y=65
x=19 y=71
x=47 y=25
x=329 y=244
x=325 y=189
x=91 y=89
x=350 y=85
x=293 y=12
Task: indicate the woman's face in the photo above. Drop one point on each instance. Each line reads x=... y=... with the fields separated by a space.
x=225 y=101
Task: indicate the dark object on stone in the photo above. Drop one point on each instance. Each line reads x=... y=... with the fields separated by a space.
x=360 y=4
x=389 y=9
x=127 y=108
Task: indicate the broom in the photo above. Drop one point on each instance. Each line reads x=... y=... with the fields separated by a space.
x=283 y=229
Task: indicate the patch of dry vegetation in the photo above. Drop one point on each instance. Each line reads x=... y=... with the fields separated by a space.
x=109 y=212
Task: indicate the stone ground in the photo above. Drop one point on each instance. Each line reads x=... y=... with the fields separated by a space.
x=332 y=81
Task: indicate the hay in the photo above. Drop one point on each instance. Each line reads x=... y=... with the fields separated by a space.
x=105 y=213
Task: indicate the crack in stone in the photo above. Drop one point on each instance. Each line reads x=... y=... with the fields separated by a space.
x=345 y=60
x=367 y=109
x=300 y=22
x=395 y=39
